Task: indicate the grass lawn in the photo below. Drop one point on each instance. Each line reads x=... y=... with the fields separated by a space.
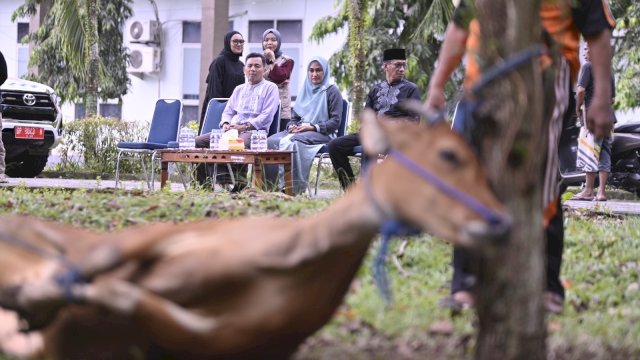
x=601 y=271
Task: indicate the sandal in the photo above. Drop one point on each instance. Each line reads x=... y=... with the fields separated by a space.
x=601 y=198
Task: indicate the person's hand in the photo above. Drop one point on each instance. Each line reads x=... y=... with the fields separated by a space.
x=226 y=126
x=241 y=128
x=271 y=57
x=600 y=118
x=303 y=128
x=435 y=100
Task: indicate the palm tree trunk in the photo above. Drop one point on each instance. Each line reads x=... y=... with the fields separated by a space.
x=513 y=139
x=91 y=101
x=357 y=42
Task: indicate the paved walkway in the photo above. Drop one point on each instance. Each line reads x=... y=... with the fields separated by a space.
x=622 y=207
x=109 y=184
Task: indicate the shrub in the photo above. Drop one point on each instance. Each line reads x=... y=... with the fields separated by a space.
x=90 y=145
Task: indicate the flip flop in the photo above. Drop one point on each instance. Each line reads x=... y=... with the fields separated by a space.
x=601 y=198
x=583 y=197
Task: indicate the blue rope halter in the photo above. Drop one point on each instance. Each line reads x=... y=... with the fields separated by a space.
x=394 y=227
x=67 y=279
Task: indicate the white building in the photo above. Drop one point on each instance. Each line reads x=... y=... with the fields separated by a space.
x=178 y=61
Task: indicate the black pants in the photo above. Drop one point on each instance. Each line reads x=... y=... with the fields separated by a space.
x=463 y=279
x=339 y=151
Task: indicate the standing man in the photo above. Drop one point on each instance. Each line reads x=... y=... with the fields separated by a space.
x=563 y=21
x=385 y=99
x=3 y=77
x=251 y=107
x=584 y=95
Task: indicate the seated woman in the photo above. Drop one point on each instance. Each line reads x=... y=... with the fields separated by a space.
x=314 y=121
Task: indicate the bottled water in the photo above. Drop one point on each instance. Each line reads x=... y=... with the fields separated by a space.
x=187 y=138
x=214 y=139
x=262 y=140
x=255 y=144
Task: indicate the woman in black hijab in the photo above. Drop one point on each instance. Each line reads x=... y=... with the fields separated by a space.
x=226 y=70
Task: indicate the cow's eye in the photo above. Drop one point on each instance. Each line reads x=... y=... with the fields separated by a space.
x=450 y=157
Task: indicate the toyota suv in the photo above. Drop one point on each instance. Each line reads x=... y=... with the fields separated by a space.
x=31 y=125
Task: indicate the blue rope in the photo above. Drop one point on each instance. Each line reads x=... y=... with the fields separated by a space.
x=68 y=279
x=380 y=274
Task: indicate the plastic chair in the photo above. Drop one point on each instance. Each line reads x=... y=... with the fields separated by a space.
x=163 y=129
x=212 y=118
x=323 y=153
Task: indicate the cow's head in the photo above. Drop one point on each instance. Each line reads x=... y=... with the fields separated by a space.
x=410 y=197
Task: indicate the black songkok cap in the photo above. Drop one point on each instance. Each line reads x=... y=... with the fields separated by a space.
x=394 y=54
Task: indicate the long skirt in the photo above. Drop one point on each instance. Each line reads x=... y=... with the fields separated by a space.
x=305 y=146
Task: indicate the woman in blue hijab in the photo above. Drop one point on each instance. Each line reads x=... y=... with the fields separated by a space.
x=314 y=121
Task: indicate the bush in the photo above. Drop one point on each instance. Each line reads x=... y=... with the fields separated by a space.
x=89 y=145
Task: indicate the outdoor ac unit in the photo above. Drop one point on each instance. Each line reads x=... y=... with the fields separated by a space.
x=144 y=31
x=144 y=59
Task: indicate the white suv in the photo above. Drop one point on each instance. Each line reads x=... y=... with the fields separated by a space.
x=31 y=125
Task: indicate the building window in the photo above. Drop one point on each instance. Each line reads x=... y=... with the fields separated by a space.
x=190 y=63
x=104 y=109
x=191 y=32
x=190 y=113
x=111 y=110
x=79 y=111
x=23 y=30
x=291 y=32
x=23 y=49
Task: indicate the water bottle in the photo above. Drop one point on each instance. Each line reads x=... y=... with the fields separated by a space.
x=214 y=139
x=255 y=144
x=187 y=138
x=262 y=140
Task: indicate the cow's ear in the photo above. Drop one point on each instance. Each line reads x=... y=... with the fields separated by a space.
x=372 y=135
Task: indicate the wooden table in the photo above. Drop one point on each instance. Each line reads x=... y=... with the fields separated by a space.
x=256 y=158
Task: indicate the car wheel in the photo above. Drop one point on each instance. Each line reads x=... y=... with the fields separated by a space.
x=27 y=166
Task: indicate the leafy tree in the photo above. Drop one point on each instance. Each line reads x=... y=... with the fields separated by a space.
x=626 y=61
x=416 y=25
x=79 y=48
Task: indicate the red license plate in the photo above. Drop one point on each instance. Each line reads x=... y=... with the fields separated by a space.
x=26 y=132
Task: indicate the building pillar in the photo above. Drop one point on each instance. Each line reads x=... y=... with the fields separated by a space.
x=214 y=25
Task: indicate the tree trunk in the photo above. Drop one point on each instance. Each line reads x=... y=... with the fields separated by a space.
x=357 y=42
x=513 y=140
x=91 y=100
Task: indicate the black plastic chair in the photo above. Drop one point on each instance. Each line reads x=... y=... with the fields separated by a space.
x=323 y=153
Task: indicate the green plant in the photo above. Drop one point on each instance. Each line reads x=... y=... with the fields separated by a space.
x=90 y=145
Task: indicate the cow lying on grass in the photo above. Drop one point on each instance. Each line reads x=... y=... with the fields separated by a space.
x=241 y=288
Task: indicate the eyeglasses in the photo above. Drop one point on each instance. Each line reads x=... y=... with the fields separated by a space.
x=399 y=65
x=237 y=42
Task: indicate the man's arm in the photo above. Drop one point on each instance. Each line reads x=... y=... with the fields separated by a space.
x=584 y=79
x=600 y=114
x=593 y=18
x=451 y=53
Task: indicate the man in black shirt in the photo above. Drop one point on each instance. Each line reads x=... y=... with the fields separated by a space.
x=584 y=95
x=385 y=99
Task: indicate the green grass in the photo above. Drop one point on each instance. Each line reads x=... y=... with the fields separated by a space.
x=601 y=269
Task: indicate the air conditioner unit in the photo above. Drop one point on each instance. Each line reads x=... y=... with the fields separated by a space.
x=144 y=59
x=144 y=31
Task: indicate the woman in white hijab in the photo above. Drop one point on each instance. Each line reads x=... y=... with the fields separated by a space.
x=314 y=121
